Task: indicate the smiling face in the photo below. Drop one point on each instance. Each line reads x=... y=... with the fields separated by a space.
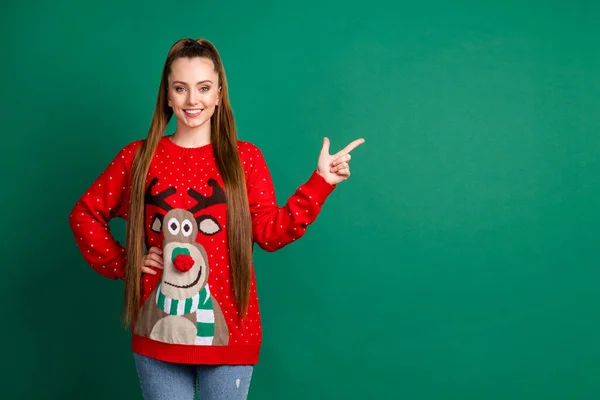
x=193 y=91
x=185 y=262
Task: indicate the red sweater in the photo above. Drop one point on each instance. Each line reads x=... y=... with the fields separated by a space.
x=188 y=313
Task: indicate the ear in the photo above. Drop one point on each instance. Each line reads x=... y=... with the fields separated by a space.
x=218 y=96
x=208 y=225
x=157 y=222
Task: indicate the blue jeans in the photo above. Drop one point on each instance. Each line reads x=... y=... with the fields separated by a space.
x=169 y=381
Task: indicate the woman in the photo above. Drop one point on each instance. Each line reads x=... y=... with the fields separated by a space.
x=197 y=200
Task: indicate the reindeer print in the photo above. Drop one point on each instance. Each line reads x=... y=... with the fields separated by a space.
x=181 y=309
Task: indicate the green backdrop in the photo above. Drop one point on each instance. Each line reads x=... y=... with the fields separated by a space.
x=458 y=262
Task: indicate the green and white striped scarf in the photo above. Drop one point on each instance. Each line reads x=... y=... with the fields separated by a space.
x=200 y=303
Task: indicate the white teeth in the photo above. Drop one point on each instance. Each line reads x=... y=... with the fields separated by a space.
x=193 y=111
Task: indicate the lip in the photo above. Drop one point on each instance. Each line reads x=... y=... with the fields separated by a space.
x=195 y=114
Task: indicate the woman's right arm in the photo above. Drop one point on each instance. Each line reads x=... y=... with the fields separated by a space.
x=106 y=198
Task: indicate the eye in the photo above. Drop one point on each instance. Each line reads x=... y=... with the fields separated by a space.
x=204 y=88
x=173 y=226
x=179 y=89
x=186 y=228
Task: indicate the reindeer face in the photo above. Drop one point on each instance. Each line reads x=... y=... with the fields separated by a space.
x=185 y=261
x=180 y=225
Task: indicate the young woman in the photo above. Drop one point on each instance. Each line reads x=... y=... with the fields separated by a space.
x=197 y=200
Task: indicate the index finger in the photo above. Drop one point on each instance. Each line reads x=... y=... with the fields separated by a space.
x=349 y=148
x=155 y=249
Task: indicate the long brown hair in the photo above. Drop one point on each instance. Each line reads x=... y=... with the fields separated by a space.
x=224 y=143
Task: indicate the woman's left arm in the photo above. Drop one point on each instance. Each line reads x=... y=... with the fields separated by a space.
x=274 y=227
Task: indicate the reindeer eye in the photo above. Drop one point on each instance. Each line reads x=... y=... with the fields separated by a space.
x=186 y=228
x=173 y=226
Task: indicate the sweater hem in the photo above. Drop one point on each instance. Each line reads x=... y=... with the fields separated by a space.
x=192 y=354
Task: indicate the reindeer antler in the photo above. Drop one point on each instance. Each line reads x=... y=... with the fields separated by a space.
x=217 y=197
x=159 y=199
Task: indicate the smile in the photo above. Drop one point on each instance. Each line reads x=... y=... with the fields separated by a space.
x=187 y=286
x=192 y=113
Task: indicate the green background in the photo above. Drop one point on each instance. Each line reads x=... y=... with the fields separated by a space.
x=458 y=262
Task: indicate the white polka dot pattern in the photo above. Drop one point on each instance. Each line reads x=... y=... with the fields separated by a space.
x=273 y=227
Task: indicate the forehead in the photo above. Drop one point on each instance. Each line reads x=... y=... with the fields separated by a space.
x=192 y=70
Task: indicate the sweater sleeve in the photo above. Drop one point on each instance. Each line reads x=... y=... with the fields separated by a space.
x=274 y=227
x=106 y=198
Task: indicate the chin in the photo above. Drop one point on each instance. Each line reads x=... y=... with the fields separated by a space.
x=196 y=124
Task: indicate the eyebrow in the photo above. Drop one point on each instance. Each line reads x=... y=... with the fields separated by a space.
x=183 y=83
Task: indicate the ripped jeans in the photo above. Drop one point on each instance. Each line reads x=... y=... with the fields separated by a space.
x=161 y=380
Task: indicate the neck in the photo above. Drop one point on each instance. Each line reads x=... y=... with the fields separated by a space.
x=192 y=137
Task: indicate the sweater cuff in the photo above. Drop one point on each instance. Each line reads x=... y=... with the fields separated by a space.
x=120 y=274
x=319 y=187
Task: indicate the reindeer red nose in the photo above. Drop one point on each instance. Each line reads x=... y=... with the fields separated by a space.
x=182 y=260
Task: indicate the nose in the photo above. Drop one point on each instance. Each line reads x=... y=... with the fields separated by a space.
x=182 y=260
x=193 y=98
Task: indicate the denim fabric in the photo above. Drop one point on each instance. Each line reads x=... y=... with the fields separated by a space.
x=161 y=380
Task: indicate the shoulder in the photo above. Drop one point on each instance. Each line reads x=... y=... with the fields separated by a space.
x=132 y=147
x=249 y=152
x=251 y=157
x=127 y=152
x=246 y=148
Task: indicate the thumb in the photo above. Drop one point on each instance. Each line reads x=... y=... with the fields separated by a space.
x=325 y=149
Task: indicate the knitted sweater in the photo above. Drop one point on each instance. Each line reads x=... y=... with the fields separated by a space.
x=187 y=311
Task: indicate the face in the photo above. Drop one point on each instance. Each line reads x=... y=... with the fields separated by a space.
x=183 y=280
x=193 y=91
